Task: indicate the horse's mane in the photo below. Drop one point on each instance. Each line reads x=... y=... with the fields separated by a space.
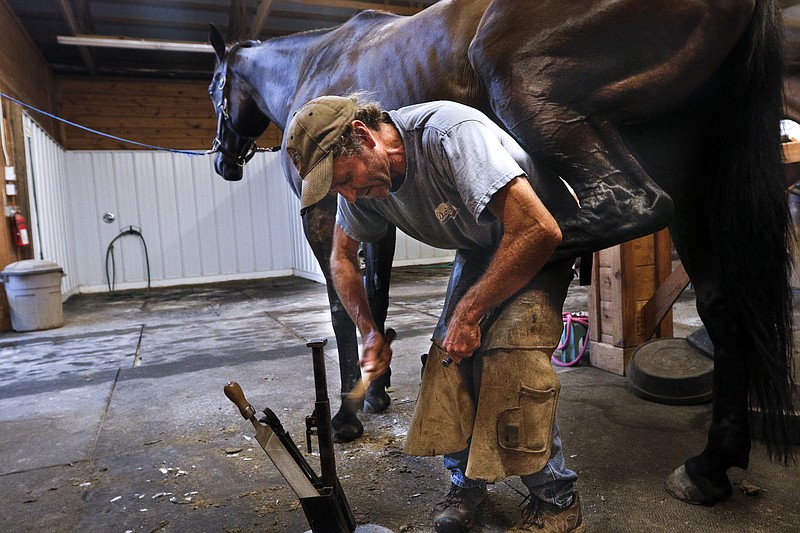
x=241 y=44
x=362 y=16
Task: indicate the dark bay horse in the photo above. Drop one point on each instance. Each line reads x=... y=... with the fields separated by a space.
x=656 y=113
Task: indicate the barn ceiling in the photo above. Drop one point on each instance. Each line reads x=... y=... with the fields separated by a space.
x=159 y=22
x=52 y=23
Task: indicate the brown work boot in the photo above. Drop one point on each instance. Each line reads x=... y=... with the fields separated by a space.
x=456 y=513
x=543 y=517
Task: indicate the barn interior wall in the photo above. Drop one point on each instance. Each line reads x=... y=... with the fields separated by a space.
x=167 y=113
x=198 y=228
x=50 y=220
x=195 y=227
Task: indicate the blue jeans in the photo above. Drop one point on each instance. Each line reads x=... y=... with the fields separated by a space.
x=552 y=484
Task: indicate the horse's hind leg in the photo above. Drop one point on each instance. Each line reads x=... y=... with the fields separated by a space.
x=619 y=201
x=703 y=479
x=537 y=64
x=318 y=227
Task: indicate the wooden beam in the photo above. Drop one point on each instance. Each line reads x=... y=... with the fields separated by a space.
x=84 y=14
x=662 y=301
x=260 y=19
x=237 y=26
x=662 y=257
x=103 y=41
x=75 y=28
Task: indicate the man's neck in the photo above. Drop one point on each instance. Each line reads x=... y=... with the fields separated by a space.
x=396 y=151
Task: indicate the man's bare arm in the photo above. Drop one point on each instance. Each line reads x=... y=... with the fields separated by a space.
x=349 y=285
x=530 y=235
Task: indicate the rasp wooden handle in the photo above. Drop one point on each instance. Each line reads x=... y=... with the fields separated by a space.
x=235 y=394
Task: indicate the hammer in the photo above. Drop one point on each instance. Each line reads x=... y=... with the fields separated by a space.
x=360 y=388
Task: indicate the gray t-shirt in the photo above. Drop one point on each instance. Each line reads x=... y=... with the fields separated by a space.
x=456 y=159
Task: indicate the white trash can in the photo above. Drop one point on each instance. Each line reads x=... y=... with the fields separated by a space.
x=33 y=288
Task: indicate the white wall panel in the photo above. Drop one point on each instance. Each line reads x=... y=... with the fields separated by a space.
x=305 y=264
x=270 y=201
x=409 y=251
x=49 y=224
x=169 y=246
x=144 y=168
x=197 y=227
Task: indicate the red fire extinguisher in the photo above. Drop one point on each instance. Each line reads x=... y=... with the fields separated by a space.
x=20 y=230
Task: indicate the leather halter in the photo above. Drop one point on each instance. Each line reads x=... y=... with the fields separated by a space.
x=249 y=148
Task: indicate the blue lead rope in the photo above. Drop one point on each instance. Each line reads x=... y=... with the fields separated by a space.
x=102 y=134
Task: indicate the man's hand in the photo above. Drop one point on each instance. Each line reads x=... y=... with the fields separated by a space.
x=462 y=339
x=376 y=354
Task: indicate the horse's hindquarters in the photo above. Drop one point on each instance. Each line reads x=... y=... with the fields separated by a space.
x=607 y=58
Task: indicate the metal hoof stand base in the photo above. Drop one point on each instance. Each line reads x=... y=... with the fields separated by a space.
x=321 y=496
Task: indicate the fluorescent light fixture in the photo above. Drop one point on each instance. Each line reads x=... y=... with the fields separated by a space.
x=136 y=44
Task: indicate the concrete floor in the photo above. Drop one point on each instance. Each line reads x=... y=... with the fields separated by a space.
x=117 y=422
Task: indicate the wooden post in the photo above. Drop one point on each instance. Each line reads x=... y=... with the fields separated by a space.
x=624 y=278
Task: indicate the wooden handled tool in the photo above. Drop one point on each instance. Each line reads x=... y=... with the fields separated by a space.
x=360 y=388
x=276 y=449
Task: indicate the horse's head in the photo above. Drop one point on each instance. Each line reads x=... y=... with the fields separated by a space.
x=239 y=120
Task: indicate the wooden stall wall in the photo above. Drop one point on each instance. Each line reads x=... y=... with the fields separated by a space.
x=25 y=76
x=170 y=114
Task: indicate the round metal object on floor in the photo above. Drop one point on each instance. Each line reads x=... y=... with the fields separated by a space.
x=671 y=371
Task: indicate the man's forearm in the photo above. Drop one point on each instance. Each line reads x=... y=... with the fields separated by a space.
x=530 y=235
x=348 y=282
x=517 y=260
x=375 y=353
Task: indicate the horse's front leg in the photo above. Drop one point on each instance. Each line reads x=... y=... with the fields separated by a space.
x=378 y=259
x=318 y=225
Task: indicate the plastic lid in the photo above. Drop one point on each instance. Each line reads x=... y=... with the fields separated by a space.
x=31 y=266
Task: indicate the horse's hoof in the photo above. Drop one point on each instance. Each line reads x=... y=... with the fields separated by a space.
x=699 y=491
x=376 y=400
x=346 y=426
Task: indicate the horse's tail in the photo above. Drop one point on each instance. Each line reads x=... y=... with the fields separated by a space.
x=750 y=220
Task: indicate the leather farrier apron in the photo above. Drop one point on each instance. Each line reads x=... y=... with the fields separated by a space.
x=501 y=401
